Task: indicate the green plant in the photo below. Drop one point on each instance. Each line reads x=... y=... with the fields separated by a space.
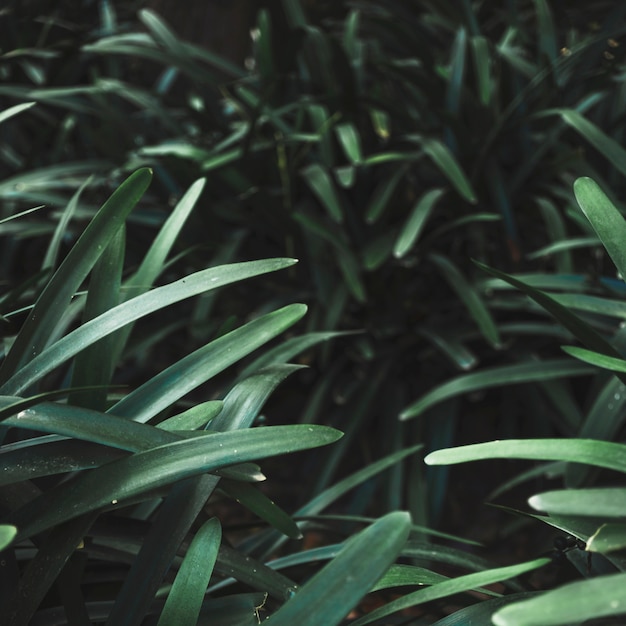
x=593 y=514
x=97 y=480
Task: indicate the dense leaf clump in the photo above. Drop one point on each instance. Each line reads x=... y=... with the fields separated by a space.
x=449 y=176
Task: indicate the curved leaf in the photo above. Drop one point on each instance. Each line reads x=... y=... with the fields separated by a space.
x=127 y=312
x=598 y=453
x=573 y=603
x=606 y=220
x=328 y=597
x=164 y=465
x=57 y=294
x=491 y=377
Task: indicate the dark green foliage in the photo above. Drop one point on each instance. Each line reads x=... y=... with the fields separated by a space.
x=384 y=145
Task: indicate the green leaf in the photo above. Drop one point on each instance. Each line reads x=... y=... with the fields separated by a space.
x=321 y=184
x=597 y=453
x=573 y=603
x=382 y=195
x=606 y=220
x=608 y=538
x=255 y=501
x=580 y=329
x=451 y=587
x=50 y=260
x=416 y=221
x=490 y=377
x=482 y=65
x=15 y=110
x=94 y=366
x=350 y=141
x=57 y=294
x=7 y=534
x=595 y=358
x=168 y=386
x=401 y=575
x=127 y=312
x=159 y=547
x=195 y=418
x=449 y=167
x=187 y=593
x=330 y=595
x=139 y=473
x=470 y=297
x=609 y=148
x=605 y=502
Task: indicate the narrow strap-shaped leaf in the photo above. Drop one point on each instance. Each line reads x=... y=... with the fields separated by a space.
x=449 y=167
x=15 y=110
x=185 y=598
x=573 y=603
x=171 y=525
x=245 y=400
x=328 y=597
x=257 y=502
x=154 y=261
x=94 y=366
x=595 y=358
x=161 y=466
x=605 y=145
x=597 y=453
x=451 y=587
x=55 y=297
x=470 y=297
x=321 y=184
x=162 y=390
x=42 y=570
x=134 y=309
x=606 y=220
x=606 y=502
x=580 y=329
x=491 y=377
x=416 y=221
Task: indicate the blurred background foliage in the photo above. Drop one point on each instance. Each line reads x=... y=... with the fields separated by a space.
x=387 y=146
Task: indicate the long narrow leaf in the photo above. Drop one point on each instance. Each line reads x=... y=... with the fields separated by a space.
x=187 y=593
x=491 y=377
x=597 y=453
x=164 y=465
x=573 y=603
x=451 y=587
x=132 y=310
x=606 y=220
x=328 y=597
x=57 y=294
